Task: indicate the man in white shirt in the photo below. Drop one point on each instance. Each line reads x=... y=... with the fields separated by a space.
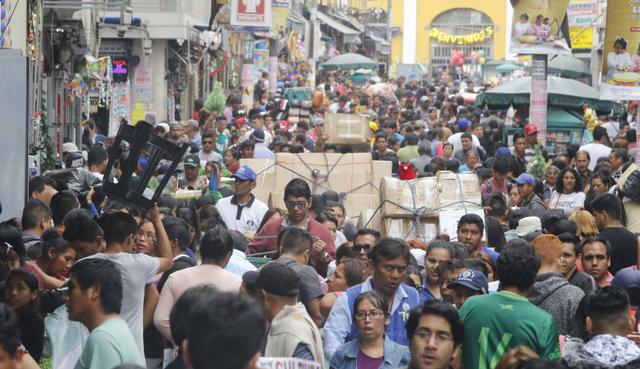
x=243 y=212
x=597 y=149
x=97 y=159
x=456 y=138
x=258 y=123
x=208 y=152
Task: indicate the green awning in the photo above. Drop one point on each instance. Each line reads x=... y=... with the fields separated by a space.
x=562 y=92
x=560 y=118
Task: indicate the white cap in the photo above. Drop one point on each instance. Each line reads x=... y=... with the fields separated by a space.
x=69 y=147
x=419 y=254
x=528 y=225
x=164 y=126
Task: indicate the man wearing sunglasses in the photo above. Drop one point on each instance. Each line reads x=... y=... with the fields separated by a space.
x=297 y=199
x=208 y=152
x=388 y=259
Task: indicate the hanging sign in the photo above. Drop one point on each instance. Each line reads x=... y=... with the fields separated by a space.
x=621 y=64
x=469 y=39
x=537 y=27
x=251 y=15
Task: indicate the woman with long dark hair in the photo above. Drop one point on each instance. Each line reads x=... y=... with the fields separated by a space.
x=568 y=194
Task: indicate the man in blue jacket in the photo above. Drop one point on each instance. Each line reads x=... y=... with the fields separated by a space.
x=388 y=259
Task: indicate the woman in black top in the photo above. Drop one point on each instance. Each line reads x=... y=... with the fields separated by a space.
x=21 y=294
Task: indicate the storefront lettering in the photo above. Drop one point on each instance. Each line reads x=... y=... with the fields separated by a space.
x=469 y=39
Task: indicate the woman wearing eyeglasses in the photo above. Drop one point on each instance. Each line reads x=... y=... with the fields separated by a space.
x=372 y=349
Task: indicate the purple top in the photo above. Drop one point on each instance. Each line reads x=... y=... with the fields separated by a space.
x=365 y=362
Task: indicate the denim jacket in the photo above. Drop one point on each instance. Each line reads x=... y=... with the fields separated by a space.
x=395 y=355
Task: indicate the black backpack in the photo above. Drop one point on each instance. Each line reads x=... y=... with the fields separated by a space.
x=631 y=187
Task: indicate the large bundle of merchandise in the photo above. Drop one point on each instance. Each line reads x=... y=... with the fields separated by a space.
x=425 y=207
x=355 y=177
x=348 y=129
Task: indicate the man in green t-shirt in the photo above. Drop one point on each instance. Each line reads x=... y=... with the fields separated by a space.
x=94 y=299
x=498 y=322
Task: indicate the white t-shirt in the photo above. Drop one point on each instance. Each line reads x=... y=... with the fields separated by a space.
x=456 y=140
x=212 y=156
x=567 y=202
x=242 y=219
x=523 y=29
x=137 y=270
x=596 y=151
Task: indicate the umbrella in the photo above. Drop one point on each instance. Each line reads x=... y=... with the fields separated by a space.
x=562 y=92
x=506 y=68
x=350 y=61
x=568 y=63
x=569 y=67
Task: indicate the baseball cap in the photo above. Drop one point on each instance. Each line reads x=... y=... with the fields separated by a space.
x=525 y=178
x=530 y=129
x=245 y=173
x=627 y=278
x=503 y=152
x=527 y=225
x=278 y=279
x=192 y=161
x=463 y=123
x=258 y=135
x=424 y=98
x=69 y=147
x=164 y=126
x=472 y=279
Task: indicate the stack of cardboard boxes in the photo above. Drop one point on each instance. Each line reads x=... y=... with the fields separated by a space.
x=356 y=175
x=425 y=207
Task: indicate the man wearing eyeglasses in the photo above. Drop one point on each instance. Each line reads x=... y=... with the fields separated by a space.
x=435 y=333
x=388 y=259
x=297 y=199
x=363 y=242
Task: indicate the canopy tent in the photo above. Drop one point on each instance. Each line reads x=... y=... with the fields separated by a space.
x=507 y=68
x=350 y=61
x=562 y=92
x=569 y=67
x=562 y=119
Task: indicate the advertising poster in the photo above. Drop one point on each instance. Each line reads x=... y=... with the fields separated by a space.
x=120 y=106
x=251 y=15
x=286 y=363
x=538 y=100
x=621 y=53
x=537 y=27
x=582 y=15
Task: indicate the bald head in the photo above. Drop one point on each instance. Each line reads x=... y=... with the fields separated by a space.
x=549 y=250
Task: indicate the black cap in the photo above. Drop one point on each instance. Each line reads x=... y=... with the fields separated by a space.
x=278 y=279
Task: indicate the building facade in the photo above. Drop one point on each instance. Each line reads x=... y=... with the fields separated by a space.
x=431 y=29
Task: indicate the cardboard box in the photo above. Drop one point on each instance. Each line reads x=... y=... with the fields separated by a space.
x=355 y=203
x=456 y=188
x=347 y=129
x=448 y=220
x=403 y=197
x=262 y=195
x=265 y=170
x=337 y=172
x=276 y=200
x=369 y=218
x=406 y=228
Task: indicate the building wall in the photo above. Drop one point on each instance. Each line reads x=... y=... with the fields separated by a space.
x=428 y=10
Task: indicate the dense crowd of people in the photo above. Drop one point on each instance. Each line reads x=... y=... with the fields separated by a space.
x=548 y=278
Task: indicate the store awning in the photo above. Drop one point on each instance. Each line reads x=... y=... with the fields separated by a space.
x=296 y=18
x=382 y=45
x=355 y=23
x=335 y=24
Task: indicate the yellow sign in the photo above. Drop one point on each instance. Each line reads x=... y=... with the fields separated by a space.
x=469 y=39
x=581 y=38
x=137 y=114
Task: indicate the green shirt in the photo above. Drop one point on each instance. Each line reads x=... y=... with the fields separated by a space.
x=110 y=345
x=496 y=323
x=407 y=153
